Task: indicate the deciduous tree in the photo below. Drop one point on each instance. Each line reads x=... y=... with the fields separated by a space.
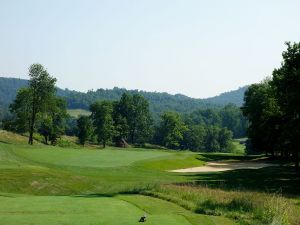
x=85 y=128
x=103 y=121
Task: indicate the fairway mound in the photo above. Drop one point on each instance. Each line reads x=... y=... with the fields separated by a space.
x=219 y=166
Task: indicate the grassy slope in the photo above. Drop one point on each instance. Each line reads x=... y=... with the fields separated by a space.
x=49 y=180
x=109 y=174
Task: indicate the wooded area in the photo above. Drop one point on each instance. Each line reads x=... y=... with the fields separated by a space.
x=273 y=110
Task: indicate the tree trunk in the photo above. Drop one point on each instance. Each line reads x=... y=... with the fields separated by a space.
x=31 y=128
x=46 y=139
x=104 y=144
x=132 y=137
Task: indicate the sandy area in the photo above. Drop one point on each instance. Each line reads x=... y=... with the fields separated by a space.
x=219 y=166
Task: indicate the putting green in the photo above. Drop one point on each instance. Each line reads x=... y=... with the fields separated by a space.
x=85 y=157
x=94 y=210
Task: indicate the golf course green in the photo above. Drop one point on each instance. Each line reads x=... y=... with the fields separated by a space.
x=49 y=185
x=77 y=210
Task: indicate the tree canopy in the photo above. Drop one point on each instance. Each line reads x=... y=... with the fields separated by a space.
x=273 y=110
x=37 y=104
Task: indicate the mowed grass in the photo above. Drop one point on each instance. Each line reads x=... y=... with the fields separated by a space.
x=53 y=185
x=78 y=210
x=85 y=157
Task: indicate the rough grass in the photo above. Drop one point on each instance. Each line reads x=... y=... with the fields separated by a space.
x=245 y=207
x=12 y=138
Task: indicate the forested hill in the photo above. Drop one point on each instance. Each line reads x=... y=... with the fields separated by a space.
x=235 y=97
x=159 y=102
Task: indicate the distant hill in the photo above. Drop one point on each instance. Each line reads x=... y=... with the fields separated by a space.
x=235 y=97
x=9 y=88
x=159 y=102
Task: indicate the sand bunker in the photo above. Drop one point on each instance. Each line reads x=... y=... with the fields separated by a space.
x=224 y=166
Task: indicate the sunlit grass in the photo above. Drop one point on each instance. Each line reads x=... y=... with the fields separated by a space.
x=253 y=197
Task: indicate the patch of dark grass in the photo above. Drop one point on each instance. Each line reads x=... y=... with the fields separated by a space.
x=95 y=195
x=226 y=156
x=5 y=142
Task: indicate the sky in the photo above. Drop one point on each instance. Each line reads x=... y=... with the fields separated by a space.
x=198 y=48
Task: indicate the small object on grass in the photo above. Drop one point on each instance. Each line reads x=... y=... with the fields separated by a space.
x=143 y=219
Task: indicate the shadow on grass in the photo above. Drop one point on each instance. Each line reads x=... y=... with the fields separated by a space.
x=130 y=191
x=277 y=179
x=226 y=156
x=95 y=195
x=5 y=142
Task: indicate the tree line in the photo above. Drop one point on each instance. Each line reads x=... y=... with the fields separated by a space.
x=273 y=109
x=158 y=102
x=37 y=108
x=129 y=121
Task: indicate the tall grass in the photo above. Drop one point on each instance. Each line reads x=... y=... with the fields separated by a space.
x=247 y=208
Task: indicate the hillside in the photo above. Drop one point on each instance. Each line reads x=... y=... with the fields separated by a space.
x=159 y=102
x=236 y=97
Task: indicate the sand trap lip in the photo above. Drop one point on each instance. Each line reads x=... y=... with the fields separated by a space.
x=219 y=166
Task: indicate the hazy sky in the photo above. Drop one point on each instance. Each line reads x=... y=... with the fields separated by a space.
x=198 y=48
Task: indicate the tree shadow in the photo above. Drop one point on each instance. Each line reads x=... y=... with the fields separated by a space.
x=5 y=142
x=133 y=191
x=95 y=195
x=226 y=156
x=275 y=179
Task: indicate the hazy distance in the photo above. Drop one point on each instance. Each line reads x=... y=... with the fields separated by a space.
x=197 y=48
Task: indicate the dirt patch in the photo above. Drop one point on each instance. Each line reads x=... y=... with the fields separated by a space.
x=219 y=166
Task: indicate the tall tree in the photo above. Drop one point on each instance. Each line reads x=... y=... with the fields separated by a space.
x=103 y=121
x=141 y=129
x=135 y=109
x=212 y=143
x=194 y=138
x=264 y=117
x=172 y=130
x=225 y=138
x=21 y=111
x=42 y=88
x=121 y=128
x=52 y=122
x=85 y=128
x=286 y=84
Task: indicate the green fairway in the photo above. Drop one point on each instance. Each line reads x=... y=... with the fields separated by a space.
x=86 y=157
x=46 y=170
x=52 y=185
x=84 y=185
x=78 y=210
